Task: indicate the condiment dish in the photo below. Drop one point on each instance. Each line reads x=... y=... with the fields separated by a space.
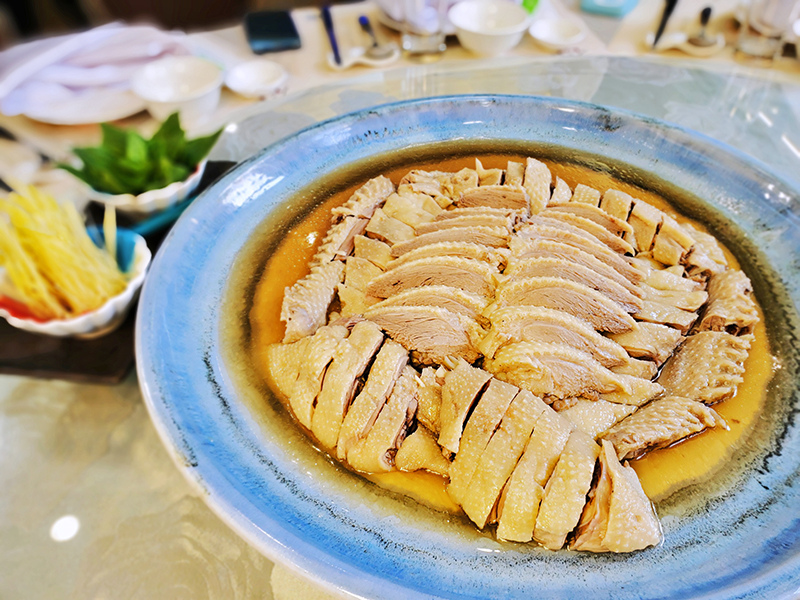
x=489 y=27
x=557 y=33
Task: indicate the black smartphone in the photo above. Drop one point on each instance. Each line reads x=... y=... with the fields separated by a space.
x=271 y=31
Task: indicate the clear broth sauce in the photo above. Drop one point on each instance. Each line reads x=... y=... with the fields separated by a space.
x=661 y=472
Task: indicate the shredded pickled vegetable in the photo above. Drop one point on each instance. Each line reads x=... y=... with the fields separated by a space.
x=50 y=259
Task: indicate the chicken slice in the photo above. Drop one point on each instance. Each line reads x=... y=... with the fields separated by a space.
x=419 y=451
x=485 y=220
x=616 y=203
x=708 y=366
x=595 y=417
x=485 y=418
x=472 y=211
x=429 y=398
x=690 y=301
x=432 y=333
x=503 y=451
x=565 y=493
x=351 y=358
x=515 y=173
x=284 y=362
x=555 y=370
x=646 y=369
x=494 y=237
x=658 y=312
x=491 y=256
x=488 y=176
x=305 y=304
x=536 y=324
x=649 y=340
x=586 y=195
x=353 y=301
x=389 y=363
x=453 y=299
x=537 y=183
x=576 y=299
x=518 y=506
x=339 y=241
x=358 y=272
x=645 y=220
x=635 y=391
x=365 y=199
x=467 y=274
x=592 y=212
x=376 y=452
x=495 y=196
x=572 y=271
x=664 y=279
x=661 y=423
x=561 y=192
x=388 y=229
x=731 y=307
x=616 y=243
x=461 y=388
x=672 y=242
x=319 y=353
x=619 y=517
x=375 y=251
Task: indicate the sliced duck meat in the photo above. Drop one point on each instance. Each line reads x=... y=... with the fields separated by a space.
x=635 y=391
x=585 y=195
x=501 y=455
x=410 y=208
x=479 y=429
x=616 y=243
x=352 y=301
x=351 y=358
x=649 y=340
x=561 y=192
x=494 y=237
x=699 y=266
x=339 y=242
x=453 y=299
x=488 y=176
x=616 y=203
x=283 y=363
x=305 y=304
x=466 y=221
x=536 y=248
x=376 y=452
x=690 y=301
x=461 y=388
x=672 y=242
x=592 y=212
x=661 y=423
x=419 y=451
x=465 y=273
x=375 y=251
x=389 y=363
x=388 y=229
x=515 y=173
x=658 y=312
x=365 y=199
x=646 y=369
x=731 y=307
x=619 y=517
x=708 y=366
x=493 y=256
x=709 y=245
x=665 y=279
x=537 y=183
x=554 y=370
x=426 y=182
x=581 y=241
x=319 y=353
x=565 y=493
x=519 y=503
x=359 y=272
x=535 y=324
x=595 y=417
x=645 y=220
x=574 y=298
x=459 y=182
x=495 y=196
x=572 y=271
x=432 y=333
x=429 y=398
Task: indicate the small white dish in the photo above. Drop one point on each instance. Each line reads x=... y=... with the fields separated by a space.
x=151 y=201
x=358 y=56
x=257 y=78
x=557 y=33
x=489 y=27
x=110 y=315
x=188 y=84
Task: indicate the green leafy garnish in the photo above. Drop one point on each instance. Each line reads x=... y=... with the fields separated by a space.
x=127 y=163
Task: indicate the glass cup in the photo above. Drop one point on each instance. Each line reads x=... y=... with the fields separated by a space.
x=423 y=28
x=765 y=23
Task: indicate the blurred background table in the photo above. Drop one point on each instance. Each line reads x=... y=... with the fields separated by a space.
x=92 y=506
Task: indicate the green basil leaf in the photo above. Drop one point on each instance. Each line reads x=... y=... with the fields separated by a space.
x=197 y=149
x=114 y=139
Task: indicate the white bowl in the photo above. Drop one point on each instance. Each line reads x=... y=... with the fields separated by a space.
x=102 y=320
x=258 y=78
x=489 y=27
x=187 y=84
x=557 y=34
x=151 y=201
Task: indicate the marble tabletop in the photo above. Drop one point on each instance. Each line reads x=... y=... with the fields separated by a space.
x=92 y=505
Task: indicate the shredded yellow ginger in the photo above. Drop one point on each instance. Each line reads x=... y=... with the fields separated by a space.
x=56 y=269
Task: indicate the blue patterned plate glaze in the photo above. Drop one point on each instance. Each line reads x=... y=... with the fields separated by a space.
x=737 y=536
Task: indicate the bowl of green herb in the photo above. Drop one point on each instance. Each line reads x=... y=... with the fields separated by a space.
x=139 y=176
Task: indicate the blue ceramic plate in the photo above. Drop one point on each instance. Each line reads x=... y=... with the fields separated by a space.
x=737 y=536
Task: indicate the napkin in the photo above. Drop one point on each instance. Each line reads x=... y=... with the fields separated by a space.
x=91 y=69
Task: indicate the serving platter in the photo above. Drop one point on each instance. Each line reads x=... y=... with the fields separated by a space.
x=735 y=536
